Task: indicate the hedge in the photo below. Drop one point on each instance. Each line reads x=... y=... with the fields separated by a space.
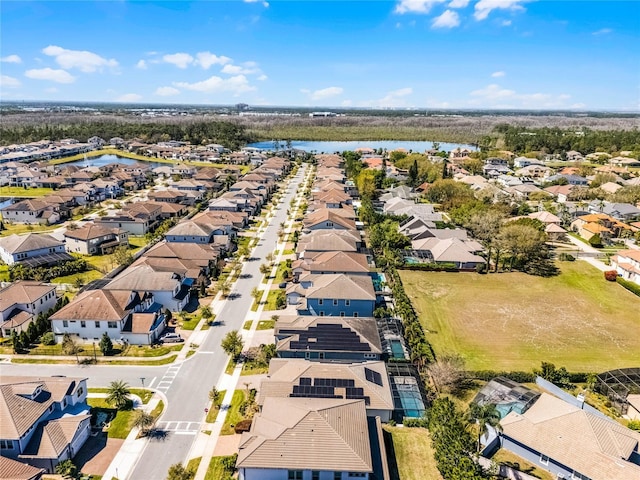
x=521 y=377
x=632 y=287
x=431 y=267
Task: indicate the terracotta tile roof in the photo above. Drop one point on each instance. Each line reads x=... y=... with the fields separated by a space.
x=14 y=470
x=51 y=438
x=26 y=243
x=90 y=231
x=325 y=215
x=105 y=305
x=594 y=446
x=23 y=291
x=339 y=286
x=306 y=433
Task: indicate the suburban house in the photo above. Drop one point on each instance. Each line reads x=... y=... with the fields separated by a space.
x=21 y=302
x=92 y=239
x=598 y=224
x=299 y=378
x=30 y=211
x=333 y=295
x=123 y=315
x=32 y=249
x=325 y=241
x=623 y=212
x=44 y=420
x=331 y=262
x=627 y=264
x=169 y=289
x=327 y=219
x=14 y=470
x=462 y=253
x=308 y=438
x=328 y=338
x=204 y=256
x=571 y=442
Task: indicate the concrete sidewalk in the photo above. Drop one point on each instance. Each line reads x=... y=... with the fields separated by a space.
x=127 y=457
x=603 y=267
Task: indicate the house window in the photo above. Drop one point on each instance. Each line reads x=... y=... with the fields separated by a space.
x=307 y=355
x=321 y=313
x=8 y=445
x=321 y=355
x=112 y=324
x=370 y=355
x=80 y=391
x=544 y=460
x=83 y=324
x=347 y=302
x=65 y=324
x=342 y=314
x=96 y=324
x=320 y=301
x=329 y=224
x=335 y=302
x=357 y=475
x=294 y=475
x=315 y=475
x=355 y=314
x=337 y=475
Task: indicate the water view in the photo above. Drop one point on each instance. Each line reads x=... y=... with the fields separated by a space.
x=330 y=147
x=107 y=159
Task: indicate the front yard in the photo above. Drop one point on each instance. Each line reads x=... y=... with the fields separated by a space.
x=513 y=321
x=410 y=454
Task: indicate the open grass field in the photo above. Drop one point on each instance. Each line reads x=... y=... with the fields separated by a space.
x=24 y=192
x=513 y=321
x=410 y=454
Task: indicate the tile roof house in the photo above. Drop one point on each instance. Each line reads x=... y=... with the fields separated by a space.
x=327 y=219
x=21 y=302
x=32 y=249
x=30 y=211
x=588 y=226
x=461 y=253
x=304 y=438
x=331 y=262
x=170 y=289
x=204 y=256
x=300 y=378
x=92 y=239
x=333 y=295
x=329 y=240
x=571 y=442
x=14 y=470
x=328 y=338
x=123 y=315
x=43 y=421
x=627 y=264
x=624 y=212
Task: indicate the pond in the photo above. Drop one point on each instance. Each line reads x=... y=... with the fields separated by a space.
x=107 y=159
x=331 y=147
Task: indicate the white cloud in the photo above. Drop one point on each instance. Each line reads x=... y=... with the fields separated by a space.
x=54 y=75
x=180 y=60
x=247 y=68
x=392 y=99
x=129 y=97
x=484 y=7
x=83 y=60
x=416 y=6
x=498 y=74
x=495 y=96
x=448 y=19
x=324 y=93
x=142 y=65
x=263 y=77
x=237 y=85
x=206 y=59
x=9 y=82
x=458 y=3
x=602 y=31
x=264 y=4
x=166 y=91
x=505 y=23
x=11 y=59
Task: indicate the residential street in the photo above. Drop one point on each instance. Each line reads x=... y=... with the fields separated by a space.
x=185 y=384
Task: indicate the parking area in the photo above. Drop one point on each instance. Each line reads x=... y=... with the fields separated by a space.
x=97 y=453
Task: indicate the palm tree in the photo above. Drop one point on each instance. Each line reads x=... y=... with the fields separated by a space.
x=485 y=416
x=118 y=394
x=206 y=312
x=67 y=469
x=143 y=421
x=214 y=396
x=225 y=288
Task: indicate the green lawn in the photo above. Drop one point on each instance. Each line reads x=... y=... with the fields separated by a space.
x=271 y=299
x=193 y=465
x=83 y=277
x=212 y=414
x=218 y=471
x=4 y=273
x=410 y=454
x=24 y=192
x=21 y=228
x=266 y=324
x=247 y=325
x=505 y=457
x=233 y=414
x=121 y=425
x=144 y=394
x=513 y=321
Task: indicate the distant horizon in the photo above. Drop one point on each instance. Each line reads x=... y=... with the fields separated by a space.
x=312 y=108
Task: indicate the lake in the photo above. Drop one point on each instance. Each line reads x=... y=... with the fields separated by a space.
x=331 y=147
x=107 y=159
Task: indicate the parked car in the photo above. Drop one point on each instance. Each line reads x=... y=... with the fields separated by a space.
x=172 y=338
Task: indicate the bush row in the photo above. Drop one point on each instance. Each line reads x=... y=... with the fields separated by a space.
x=522 y=377
x=431 y=267
x=42 y=274
x=632 y=287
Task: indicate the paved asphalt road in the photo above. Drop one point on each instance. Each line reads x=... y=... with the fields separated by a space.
x=186 y=384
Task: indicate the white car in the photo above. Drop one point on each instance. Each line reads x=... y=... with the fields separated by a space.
x=171 y=338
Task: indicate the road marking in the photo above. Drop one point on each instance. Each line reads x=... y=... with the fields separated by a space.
x=151 y=382
x=179 y=427
x=167 y=379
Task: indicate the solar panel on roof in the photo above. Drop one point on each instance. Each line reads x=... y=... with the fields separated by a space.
x=373 y=376
x=305 y=381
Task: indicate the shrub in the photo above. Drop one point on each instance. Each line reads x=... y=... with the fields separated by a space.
x=481 y=268
x=415 y=422
x=610 y=275
x=566 y=257
x=243 y=426
x=48 y=339
x=634 y=425
x=632 y=287
x=517 y=376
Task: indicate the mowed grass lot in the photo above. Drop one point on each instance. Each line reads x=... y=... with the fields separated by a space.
x=513 y=321
x=410 y=454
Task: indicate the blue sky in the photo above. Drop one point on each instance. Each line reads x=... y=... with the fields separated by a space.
x=404 y=53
